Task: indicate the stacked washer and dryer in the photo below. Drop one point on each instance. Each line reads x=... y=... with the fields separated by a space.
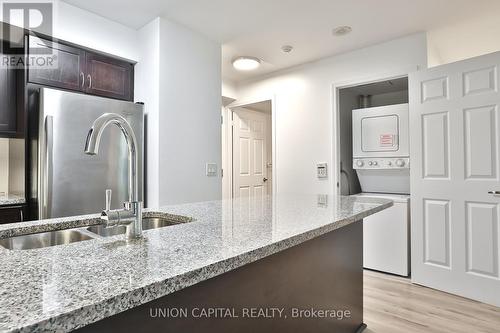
x=381 y=159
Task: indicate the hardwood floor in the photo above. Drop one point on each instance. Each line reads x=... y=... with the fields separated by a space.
x=394 y=305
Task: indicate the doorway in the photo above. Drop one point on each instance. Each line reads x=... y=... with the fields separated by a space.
x=373 y=135
x=382 y=93
x=248 y=150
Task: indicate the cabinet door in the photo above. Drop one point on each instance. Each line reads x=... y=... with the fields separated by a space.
x=12 y=214
x=69 y=70
x=109 y=77
x=8 y=109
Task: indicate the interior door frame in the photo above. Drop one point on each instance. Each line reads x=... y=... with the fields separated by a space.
x=335 y=102
x=227 y=179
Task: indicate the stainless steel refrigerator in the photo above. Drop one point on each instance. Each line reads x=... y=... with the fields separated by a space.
x=65 y=181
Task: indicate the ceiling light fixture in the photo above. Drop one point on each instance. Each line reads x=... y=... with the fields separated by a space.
x=342 y=30
x=246 y=63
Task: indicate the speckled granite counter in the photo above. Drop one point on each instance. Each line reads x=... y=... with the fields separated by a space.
x=65 y=287
x=11 y=199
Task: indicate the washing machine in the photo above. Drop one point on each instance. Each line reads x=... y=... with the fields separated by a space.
x=381 y=158
x=386 y=236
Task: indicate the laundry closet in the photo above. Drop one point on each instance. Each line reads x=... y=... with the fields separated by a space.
x=375 y=162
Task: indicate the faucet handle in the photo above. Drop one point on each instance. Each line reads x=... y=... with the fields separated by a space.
x=108 y=199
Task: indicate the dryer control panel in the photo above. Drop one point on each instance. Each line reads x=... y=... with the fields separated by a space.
x=381 y=163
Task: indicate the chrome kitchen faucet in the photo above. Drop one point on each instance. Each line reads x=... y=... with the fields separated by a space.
x=131 y=214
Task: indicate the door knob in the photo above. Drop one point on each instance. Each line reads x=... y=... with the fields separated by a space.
x=265 y=179
x=494 y=192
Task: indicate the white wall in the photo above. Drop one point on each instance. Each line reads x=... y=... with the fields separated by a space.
x=189 y=115
x=4 y=165
x=85 y=28
x=304 y=124
x=178 y=78
x=147 y=90
x=465 y=39
x=16 y=166
x=12 y=166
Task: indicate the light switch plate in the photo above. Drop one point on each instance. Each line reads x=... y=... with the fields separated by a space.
x=322 y=170
x=322 y=200
x=211 y=169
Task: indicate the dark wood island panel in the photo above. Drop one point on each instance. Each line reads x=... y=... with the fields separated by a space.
x=325 y=273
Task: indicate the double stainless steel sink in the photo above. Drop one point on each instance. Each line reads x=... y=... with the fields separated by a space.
x=150 y=220
x=44 y=239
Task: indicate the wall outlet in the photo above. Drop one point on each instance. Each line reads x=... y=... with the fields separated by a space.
x=211 y=169
x=322 y=170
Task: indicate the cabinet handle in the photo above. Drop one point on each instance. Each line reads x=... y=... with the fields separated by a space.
x=90 y=81
x=494 y=192
x=108 y=199
x=83 y=79
x=21 y=215
x=45 y=181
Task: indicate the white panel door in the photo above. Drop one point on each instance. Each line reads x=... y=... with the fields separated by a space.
x=249 y=153
x=455 y=119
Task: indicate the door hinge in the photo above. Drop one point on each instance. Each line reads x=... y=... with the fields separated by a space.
x=221 y=173
x=222 y=120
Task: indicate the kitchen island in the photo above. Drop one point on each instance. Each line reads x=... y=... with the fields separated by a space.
x=277 y=260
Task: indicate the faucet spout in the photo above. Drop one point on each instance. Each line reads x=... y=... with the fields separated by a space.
x=133 y=208
x=94 y=138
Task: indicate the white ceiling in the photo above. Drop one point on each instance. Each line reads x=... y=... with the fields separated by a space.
x=260 y=27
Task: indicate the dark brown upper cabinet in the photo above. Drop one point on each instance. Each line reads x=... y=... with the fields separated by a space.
x=109 y=77
x=8 y=104
x=68 y=71
x=84 y=71
x=11 y=116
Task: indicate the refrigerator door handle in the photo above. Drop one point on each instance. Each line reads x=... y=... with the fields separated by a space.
x=47 y=169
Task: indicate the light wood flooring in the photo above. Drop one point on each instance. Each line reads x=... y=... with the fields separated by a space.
x=394 y=305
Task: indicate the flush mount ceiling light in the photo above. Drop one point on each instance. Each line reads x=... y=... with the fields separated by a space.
x=342 y=30
x=246 y=63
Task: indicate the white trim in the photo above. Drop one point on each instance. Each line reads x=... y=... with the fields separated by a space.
x=226 y=151
x=227 y=180
x=336 y=86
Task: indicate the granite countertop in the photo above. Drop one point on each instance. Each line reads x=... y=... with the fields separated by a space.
x=61 y=288
x=11 y=199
